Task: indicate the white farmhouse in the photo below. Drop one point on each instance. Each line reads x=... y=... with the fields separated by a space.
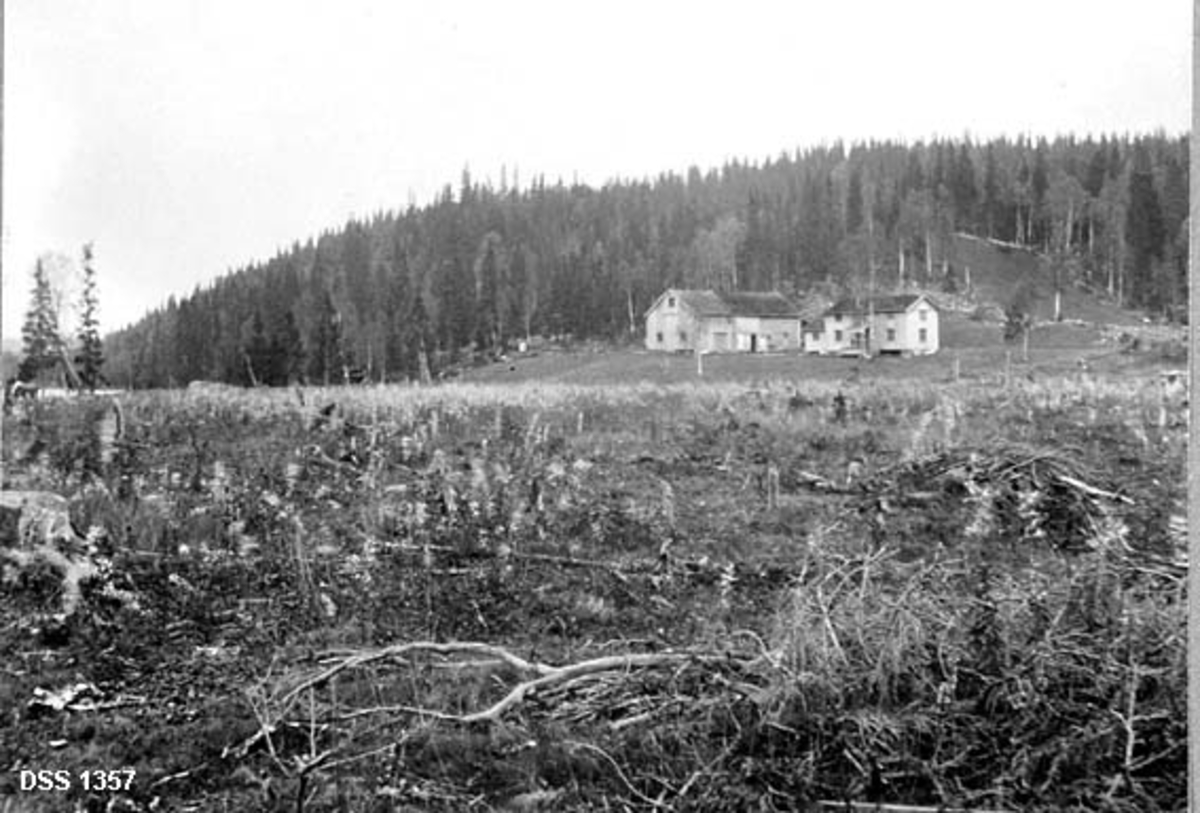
x=890 y=325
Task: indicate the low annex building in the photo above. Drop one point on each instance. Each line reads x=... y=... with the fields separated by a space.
x=892 y=325
x=722 y=322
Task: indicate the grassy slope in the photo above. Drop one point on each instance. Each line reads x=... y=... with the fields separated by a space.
x=997 y=271
x=978 y=346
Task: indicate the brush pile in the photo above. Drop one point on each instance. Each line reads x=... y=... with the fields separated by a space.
x=1006 y=494
x=593 y=722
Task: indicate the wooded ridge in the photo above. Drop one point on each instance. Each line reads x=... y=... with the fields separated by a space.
x=402 y=294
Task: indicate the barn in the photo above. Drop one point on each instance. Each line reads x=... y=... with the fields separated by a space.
x=722 y=322
x=901 y=325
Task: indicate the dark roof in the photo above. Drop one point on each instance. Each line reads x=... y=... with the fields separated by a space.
x=702 y=302
x=759 y=304
x=740 y=303
x=883 y=304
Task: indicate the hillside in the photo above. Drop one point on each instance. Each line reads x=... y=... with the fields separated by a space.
x=404 y=294
x=998 y=270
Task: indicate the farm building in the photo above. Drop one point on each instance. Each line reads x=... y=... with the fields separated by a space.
x=901 y=325
x=712 y=322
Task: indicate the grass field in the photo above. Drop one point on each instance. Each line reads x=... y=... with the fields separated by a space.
x=603 y=582
x=977 y=347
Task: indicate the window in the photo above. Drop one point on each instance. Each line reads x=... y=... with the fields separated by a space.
x=891 y=334
x=923 y=314
x=923 y=335
x=670 y=302
x=659 y=337
x=683 y=335
x=837 y=335
x=837 y=317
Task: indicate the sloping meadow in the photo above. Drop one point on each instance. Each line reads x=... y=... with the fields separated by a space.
x=695 y=597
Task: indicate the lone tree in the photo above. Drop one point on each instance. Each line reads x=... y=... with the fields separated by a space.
x=39 y=334
x=90 y=357
x=1018 y=317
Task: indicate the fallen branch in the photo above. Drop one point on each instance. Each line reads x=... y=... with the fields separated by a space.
x=567 y=673
x=656 y=803
x=399 y=650
x=548 y=558
x=546 y=675
x=271 y=708
x=880 y=807
x=1092 y=490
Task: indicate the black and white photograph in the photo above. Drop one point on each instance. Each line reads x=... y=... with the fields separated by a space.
x=625 y=406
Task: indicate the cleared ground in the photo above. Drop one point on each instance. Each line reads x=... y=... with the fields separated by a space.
x=976 y=347
x=600 y=582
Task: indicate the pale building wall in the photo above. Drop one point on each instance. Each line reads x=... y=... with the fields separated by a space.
x=905 y=328
x=670 y=326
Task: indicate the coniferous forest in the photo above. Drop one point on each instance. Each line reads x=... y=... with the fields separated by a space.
x=399 y=295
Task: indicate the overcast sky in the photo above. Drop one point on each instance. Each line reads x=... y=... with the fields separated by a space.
x=185 y=138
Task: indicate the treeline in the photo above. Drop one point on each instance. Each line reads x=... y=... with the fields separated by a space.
x=401 y=294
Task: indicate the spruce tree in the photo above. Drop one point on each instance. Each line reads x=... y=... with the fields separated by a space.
x=39 y=333
x=1144 y=233
x=90 y=358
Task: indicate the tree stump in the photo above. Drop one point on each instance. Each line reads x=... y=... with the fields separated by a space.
x=34 y=517
x=35 y=526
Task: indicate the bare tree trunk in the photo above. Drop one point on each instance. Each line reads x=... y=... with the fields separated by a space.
x=871 y=234
x=250 y=369
x=423 y=364
x=1091 y=248
x=1070 y=226
x=1121 y=268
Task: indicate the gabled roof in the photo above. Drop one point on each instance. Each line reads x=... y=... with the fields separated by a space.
x=702 y=303
x=882 y=304
x=737 y=303
x=743 y=303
